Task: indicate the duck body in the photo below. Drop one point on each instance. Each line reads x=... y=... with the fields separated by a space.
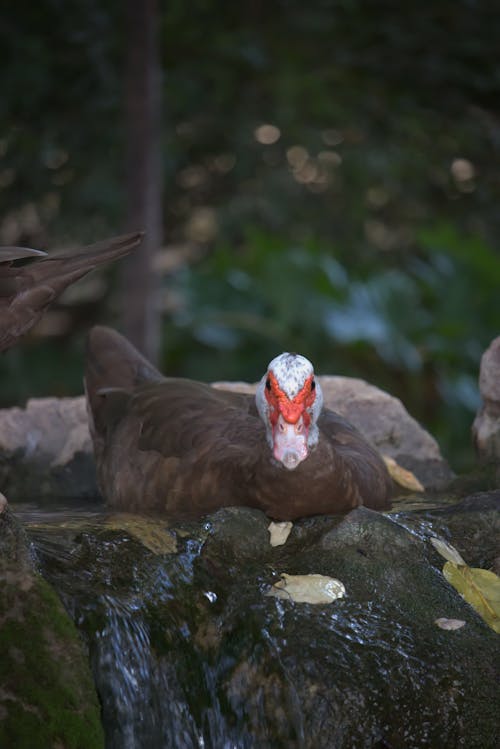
x=27 y=290
x=181 y=448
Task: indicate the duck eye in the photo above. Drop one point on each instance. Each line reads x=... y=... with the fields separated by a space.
x=313 y=385
x=268 y=384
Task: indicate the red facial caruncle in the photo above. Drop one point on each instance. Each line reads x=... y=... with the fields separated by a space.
x=290 y=408
x=290 y=420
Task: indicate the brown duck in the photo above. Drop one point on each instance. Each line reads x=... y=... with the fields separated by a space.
x=27 y=290
x=182 y=448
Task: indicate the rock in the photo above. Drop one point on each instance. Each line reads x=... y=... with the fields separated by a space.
x=489 y=373
x=384 y=420
x=189 y=650
x=474 y=525
x=47 y=697
x=46 y=451
x=486 y=426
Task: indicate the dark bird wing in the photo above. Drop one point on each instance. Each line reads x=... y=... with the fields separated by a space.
x=27 y=290
x=165 y=442
x=174 y=414
x=180 y=415
x=8 y=254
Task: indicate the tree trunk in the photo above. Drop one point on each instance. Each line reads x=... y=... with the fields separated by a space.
x=140 y=310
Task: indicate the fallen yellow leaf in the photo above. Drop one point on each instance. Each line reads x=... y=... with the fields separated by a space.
x=307 y=588
x=402 y=476
x=480 y=588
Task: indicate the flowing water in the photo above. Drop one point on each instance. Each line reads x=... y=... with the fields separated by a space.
x=187 y=651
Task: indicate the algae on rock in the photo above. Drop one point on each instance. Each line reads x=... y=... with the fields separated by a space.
x=47 y=696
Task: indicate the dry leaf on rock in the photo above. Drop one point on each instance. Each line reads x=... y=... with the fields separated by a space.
x=402 y=476
x=279 y=532
x=447 y=551
x=150 y=533
x=307 y=588
x=480 y=588
x=450 y=624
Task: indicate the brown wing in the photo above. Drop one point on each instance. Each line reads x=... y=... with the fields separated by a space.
x=174 y=413
x=27 y=290
x=177 y=447
x=358 y=460
x=180 y=415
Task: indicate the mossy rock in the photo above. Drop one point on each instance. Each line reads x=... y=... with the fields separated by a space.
x=47 y=696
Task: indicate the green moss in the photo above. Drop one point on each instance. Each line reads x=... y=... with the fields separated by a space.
x=48 y=697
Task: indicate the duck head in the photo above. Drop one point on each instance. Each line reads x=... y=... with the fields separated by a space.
x=289 y=401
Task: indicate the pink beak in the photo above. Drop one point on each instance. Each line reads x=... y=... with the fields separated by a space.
x=290 y=442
